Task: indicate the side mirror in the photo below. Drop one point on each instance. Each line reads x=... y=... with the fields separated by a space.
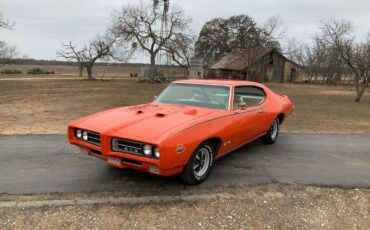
x=242 y=106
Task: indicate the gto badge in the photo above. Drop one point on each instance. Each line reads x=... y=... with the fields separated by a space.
x=180 y=148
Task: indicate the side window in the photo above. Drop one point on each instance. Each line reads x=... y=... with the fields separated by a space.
x=248 y=96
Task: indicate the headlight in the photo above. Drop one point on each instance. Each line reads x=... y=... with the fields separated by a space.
x=84 y=136
x=147 y=150
x=78 y=133
x=156 y=152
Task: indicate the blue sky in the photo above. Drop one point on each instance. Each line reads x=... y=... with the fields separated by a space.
x=42 y=26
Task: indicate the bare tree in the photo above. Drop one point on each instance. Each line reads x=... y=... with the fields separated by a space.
x=294 y=50
x=102 y=47
x=4 y=22
x=7 y=52
x=356 y=55
x=70 y=53
x=141 y=27
x=273 y=31
x=181 y=49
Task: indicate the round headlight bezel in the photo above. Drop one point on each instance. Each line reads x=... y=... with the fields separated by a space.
x=79 y=133
x=85 y=137
x=147 y=150
x=156 y=152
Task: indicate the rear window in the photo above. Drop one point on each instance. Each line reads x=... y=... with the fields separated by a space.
x=248 y=95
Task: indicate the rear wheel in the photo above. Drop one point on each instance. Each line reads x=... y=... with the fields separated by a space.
x=199 y=165
x=271 y=136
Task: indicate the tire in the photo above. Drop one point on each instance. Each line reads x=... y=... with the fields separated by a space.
x=203 y=157
x=271 y=136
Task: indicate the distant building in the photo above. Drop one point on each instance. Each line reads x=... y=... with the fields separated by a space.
x=255 y=64
x=196 y=68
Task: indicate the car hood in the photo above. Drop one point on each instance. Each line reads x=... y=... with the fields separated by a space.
x=146 y=122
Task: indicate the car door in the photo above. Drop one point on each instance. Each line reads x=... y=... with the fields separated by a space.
x=248 y=111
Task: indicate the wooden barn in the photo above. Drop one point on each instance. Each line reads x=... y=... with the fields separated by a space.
x=255 y=64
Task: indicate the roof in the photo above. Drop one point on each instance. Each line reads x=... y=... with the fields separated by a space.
x=239 y=59
x=217 y=82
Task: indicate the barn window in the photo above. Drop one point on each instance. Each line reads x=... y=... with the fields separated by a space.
x=248 y=96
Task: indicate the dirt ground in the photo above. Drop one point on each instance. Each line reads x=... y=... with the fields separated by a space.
x=257 y=207
x=48 y=105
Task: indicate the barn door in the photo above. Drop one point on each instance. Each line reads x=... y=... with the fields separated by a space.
x=293 y=74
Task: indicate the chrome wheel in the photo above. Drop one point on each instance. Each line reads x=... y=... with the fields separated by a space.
x=202 y=161
x=274 y=129
x=272 y=134
x=199 y=164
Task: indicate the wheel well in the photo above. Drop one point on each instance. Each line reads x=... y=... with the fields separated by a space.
x=281 y=117
x=215 y=141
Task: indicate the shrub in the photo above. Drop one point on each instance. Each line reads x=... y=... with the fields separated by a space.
x=36 y=71
x=10 y=71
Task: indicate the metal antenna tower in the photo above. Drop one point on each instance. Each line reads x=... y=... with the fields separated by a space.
x=162 y=6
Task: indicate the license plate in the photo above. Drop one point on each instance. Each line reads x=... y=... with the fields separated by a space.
x=115 y=161
x=84 y=151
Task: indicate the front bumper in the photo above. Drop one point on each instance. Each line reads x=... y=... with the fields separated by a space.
x=161 y=166
x=126 y=160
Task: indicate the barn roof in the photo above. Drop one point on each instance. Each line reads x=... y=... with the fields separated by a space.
x=239 y=59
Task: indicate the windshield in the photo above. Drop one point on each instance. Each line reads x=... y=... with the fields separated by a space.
x=208 y=96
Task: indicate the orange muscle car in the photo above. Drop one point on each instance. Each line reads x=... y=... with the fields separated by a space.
x=189 y=125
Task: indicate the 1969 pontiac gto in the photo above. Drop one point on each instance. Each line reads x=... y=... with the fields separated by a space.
x=188 y=126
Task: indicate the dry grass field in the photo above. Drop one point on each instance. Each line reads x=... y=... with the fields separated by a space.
x=71 y=71
x=48 y=105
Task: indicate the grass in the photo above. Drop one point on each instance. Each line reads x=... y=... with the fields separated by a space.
x=326 y=108
x=47 y=106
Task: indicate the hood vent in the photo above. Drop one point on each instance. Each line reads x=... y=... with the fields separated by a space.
x=190 y=112
x=160 y=115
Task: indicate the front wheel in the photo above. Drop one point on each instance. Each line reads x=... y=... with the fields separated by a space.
x=199 y=165
x=271 y=136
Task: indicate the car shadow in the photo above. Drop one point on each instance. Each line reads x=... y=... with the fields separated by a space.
x=149 y=183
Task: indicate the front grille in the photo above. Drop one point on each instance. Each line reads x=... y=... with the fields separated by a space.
x=93 y=138
x=127 y=146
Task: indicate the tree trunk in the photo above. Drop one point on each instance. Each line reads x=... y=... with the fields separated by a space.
x=89 y=72
x=360 y=88
x=153 y=68
x=80 y=70
x=187 y=72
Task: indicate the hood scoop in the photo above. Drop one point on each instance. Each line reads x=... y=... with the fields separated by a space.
x=190 y=112
x=160 y=115
x=139 y=111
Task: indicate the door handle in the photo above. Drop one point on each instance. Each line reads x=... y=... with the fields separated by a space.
x=261 y=111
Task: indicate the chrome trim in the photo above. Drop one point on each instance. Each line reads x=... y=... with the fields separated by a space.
x=125 y=147
x=93 y=137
